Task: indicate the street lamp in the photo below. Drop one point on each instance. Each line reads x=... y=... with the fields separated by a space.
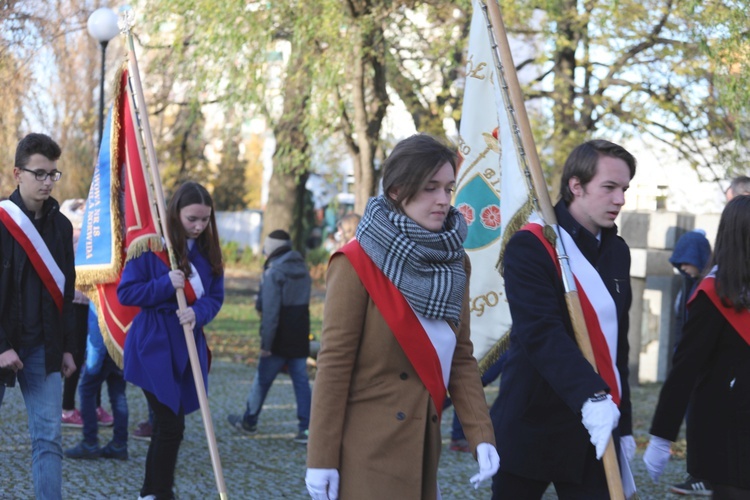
x=102 y=25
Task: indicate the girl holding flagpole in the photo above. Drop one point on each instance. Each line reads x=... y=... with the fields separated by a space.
x=156 y=354
x=395 y=338
x=710 y=376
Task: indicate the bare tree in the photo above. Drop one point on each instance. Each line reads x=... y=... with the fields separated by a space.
x=627 y=69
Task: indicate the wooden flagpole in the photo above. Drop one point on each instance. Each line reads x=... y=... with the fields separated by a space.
x=138 y=105
x=542 y=198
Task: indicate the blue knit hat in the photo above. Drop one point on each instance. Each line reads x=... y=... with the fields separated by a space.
x=692 y=248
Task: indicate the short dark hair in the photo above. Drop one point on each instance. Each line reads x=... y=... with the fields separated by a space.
x=36 y=144
x=732 y=254
x=583 y=161
x=411 y=165
x=740 y=185
x=279 y=234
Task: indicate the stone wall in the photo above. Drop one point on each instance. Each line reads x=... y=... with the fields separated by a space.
x=651 y=237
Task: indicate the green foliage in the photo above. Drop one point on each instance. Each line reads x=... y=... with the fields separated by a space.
x=233 y=334
x=229 y=252
x=317 y=256
x=674 y=71
x=229 y=186
x=636 y=68
x=242 y=258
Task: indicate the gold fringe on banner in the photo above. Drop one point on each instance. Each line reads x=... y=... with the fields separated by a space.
x=114 y=350
x=494 y=354
x=141 y=245
x=109 y=273
x=519 y=219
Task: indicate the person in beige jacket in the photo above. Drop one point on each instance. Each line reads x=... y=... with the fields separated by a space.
x=395 y=338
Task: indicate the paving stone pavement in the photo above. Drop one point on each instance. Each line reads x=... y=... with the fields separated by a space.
x=266 y=465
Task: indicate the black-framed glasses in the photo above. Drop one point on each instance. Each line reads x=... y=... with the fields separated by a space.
x=42 y=175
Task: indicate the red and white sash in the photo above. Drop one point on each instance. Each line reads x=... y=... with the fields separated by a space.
x=411 y=334
x=193 y=286
x=26 y=234
x=599 y=310
x=740 y=320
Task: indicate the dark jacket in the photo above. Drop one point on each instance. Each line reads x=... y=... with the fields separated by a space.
x=711 y=371
x=57 y=232
x=692 y=248
x=284 y=304
x=546 y=379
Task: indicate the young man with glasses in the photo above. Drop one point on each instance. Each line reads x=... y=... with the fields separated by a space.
x=37 y=281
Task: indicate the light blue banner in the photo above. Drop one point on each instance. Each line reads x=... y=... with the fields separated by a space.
x=96 y=246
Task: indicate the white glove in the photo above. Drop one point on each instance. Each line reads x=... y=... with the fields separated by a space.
x=322 y=484
x=489 y=462
x=656 y=457
x=627 y=444
x=599 y=418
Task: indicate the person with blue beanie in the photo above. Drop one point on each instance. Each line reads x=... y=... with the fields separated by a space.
x=690 y=257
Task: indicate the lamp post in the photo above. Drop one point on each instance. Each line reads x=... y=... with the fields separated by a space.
x=102 y=25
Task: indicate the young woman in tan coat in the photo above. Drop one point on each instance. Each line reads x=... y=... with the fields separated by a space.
x=395 y=339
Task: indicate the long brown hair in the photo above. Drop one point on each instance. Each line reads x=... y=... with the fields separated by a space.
x=191 y=193
x=732 y=254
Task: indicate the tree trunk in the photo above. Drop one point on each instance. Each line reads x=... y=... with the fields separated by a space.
x=370 y=101
x=567 y=133
x=291 y=160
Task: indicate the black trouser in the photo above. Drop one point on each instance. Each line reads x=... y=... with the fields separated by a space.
x=161 y=459
x=593 y=485
x=725 y=492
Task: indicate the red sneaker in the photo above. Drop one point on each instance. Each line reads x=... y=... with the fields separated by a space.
x=73 y=419
x=104 y=418
x=460 y=445
x=143 y=431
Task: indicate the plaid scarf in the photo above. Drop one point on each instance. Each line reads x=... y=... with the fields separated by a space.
x=426 y=267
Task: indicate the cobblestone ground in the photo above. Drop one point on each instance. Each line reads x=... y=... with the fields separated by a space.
x=266 y=465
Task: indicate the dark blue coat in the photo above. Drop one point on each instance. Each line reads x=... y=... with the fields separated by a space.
x=692 y=248
x=546 y=379
x=156 y=355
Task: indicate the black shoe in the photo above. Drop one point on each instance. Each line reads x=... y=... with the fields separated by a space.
x=239 y=423
x=301 y=437
x=84 y=450
x=693 y=486
x=116 y=451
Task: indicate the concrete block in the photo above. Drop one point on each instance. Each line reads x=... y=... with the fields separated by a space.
x=665 y=228
x=633 y=228
x=648 y=262
x=638 y=261
x=657 y=263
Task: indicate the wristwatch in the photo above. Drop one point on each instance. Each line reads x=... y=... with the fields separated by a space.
x=596 y=398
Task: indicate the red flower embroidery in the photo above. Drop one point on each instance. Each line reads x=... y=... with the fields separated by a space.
x=491 y=217
x=468 y=212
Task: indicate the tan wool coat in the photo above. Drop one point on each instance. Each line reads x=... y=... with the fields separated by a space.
x=372 y=417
